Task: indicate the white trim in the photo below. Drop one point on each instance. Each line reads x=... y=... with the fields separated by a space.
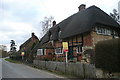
x=103 y=30
x=40 y=51
x=44 y=51
x=58 y=53
x=79 y=48
x=59 y=33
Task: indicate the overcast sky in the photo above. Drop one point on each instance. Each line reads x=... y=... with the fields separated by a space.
x=18 y=18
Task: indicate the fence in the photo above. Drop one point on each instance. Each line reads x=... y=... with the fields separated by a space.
x=77 y=69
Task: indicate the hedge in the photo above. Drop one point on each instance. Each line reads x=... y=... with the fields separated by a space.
x=15 y=56
x=107 y=55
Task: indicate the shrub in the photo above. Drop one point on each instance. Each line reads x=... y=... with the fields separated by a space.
x=15 y=56
x=107 y=55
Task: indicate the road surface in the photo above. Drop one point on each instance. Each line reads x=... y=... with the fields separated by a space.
x=0 y=68
x=12 y=70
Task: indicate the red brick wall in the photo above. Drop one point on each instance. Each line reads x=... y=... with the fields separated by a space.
x=49 y=51
x=87 y=39
x=57 y=44
x=47 y=55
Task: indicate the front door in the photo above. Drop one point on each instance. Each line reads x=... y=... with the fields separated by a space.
x=70 y=53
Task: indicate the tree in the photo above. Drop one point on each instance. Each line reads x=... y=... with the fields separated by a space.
x=46 y=24
x=3 y=51
x=115 y=15
x=12 y=46
x=3 y=47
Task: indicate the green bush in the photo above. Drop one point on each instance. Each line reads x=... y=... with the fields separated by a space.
x=15 y=56
x=107 y=55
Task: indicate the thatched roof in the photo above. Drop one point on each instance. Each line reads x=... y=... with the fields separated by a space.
x=79 y=23
x=85 y=20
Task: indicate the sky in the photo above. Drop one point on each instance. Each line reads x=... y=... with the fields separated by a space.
x=19 y=18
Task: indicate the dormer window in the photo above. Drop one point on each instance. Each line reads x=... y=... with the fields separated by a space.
x=59 y=33
x=50 y=36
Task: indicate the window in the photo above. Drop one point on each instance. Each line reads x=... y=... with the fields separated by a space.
x=99 y=30
x=59 y=33
x=103 y=30
x=79 y=49
x=51 y=36
x=115 y=34
x=58 y=51
x=41 y=52
x=108 y=32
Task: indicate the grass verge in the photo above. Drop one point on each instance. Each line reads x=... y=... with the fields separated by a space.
x=13 y=61
x=64 y=75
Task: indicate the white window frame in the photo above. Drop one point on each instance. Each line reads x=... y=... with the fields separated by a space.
x=44 y=51
x=98 y=30
x=51 y=36
x=59 y=52
x=78 y=47
x=103 y=31
x=115 y=34
x=59 y=33
x=108 y=32
x=40 y=52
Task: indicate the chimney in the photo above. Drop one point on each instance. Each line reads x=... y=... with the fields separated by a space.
x=54 y=23
x=82 y=7
x=32 y=34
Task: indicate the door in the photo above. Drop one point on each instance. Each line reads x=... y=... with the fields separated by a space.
x=70 y=53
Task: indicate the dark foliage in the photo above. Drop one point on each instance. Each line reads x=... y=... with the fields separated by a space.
x=16 y=57
x=4 y=53
x=107 y=55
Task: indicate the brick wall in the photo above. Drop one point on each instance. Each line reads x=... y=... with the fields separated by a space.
x=90 y=39
x=87 y=39
x=98 y=37
x=57 y=44
x=49 y=51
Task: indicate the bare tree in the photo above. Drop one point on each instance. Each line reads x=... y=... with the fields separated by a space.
x=115 y=15
x=46 y=24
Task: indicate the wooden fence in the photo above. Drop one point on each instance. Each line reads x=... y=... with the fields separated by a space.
x=77 y=69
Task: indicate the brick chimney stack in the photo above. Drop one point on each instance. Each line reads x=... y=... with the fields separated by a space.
x=54 y=23
x=82 y=7
x=32 y=34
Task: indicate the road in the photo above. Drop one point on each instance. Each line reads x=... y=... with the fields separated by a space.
x=0 y=68
x=12 y=70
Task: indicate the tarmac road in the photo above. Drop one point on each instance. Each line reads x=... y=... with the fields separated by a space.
x=0 y=68
x=12 y=70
